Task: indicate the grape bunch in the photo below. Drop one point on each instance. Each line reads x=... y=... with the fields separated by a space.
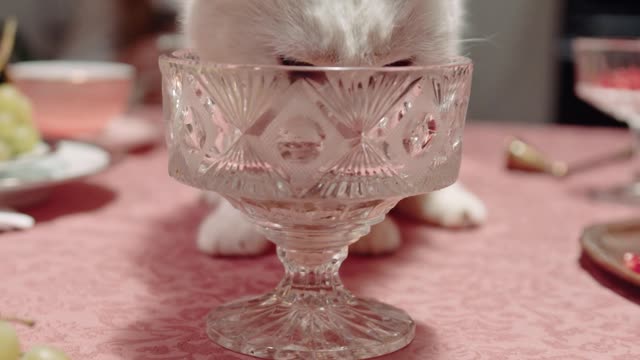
x=18 y=135
x=10 y=347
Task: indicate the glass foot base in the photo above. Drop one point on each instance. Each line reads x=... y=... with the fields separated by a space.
x=626 y=194
x=310 y=327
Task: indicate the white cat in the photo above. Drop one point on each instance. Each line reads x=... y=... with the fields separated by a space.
x=320 y=33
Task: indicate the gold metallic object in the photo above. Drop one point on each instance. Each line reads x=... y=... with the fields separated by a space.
x=522 y=156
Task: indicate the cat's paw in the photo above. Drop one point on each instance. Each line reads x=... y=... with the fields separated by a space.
x=453 y=207
x=226 y=232
x=384 y=238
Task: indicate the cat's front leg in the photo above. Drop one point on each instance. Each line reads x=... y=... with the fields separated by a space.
x=384 y=238
x=452 y=207
x=227 y=232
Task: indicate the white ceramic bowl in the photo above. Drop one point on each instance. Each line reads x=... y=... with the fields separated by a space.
x=74 y=98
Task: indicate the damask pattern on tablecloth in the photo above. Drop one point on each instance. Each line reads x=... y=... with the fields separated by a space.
x=123 y=280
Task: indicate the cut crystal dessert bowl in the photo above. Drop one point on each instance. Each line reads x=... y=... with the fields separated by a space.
x=314 y=157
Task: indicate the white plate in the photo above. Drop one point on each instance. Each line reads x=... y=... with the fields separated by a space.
x=29 y=181
x=40 y=150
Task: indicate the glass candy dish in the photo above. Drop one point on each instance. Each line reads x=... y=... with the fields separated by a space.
x=314 y=157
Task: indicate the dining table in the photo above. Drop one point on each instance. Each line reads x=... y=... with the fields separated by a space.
x=111 y=269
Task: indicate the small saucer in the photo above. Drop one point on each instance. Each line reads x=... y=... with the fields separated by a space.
x=24 y=183
x=607 y=244
x=129 y=133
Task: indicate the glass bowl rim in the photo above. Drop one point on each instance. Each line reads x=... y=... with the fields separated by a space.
x=177 y=58
x=623 y=44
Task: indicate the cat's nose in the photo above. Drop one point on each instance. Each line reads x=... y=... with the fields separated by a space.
x=304 y=73
x=316 y=76
x=288 y=61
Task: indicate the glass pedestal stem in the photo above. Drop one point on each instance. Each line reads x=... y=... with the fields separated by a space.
x=310 y=315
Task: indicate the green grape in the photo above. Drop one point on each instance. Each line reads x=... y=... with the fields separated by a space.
x=22 y=139
x=5 y=151
x=44 y=353
x=17 y=131
x=13 y=102
x=6 y=121
x=9 y=343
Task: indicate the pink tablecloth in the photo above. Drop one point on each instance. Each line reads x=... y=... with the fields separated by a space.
x=111 y=271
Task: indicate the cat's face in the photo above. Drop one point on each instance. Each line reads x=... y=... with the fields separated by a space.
x=323 y=32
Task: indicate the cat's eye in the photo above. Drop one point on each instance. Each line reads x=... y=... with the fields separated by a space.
x=292 y=62
x=401 y=63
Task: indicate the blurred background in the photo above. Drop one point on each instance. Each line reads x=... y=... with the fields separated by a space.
x=521 y=47
x=524 y=62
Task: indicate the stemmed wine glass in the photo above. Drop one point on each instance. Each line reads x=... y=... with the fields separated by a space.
x=608 y=78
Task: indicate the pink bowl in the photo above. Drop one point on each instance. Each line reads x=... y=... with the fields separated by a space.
x=73 y=98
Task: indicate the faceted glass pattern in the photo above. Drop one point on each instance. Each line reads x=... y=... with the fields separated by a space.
x=314 y=157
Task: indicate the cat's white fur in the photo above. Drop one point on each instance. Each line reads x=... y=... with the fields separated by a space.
x=329 y=32
x=324 y=32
